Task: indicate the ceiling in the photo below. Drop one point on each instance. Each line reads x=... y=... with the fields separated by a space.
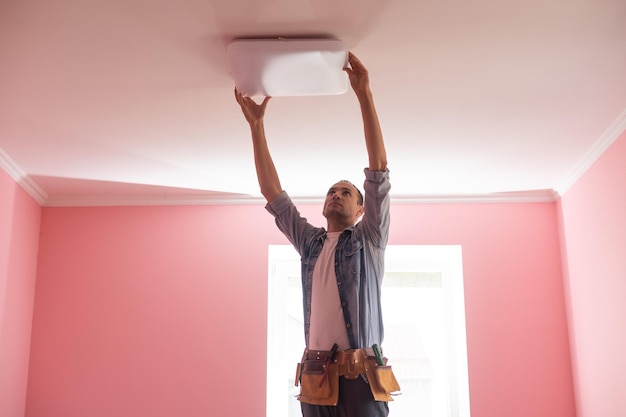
x=131 y=101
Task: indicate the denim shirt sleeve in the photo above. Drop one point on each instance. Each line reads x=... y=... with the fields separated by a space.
x=376 y=220
x=291 y=223
x=363 y=266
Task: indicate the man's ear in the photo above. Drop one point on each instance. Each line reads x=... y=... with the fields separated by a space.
x=360 y=211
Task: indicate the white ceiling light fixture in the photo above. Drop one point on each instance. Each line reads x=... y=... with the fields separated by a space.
x=288 y=67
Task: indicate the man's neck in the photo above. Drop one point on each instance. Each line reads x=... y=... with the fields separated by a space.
x=335 y=226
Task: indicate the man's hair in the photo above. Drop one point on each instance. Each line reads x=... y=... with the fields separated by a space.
x=360 y=197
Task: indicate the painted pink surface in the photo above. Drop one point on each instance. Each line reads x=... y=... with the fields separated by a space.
x=161 y=311
x=19 y=239
x=594 y=229
x=155 y=311
x=516 y=325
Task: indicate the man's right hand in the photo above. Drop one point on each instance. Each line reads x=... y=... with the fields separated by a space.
x=251 y=110
x=357 y=74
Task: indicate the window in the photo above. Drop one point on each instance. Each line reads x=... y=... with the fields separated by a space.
x=424 y=316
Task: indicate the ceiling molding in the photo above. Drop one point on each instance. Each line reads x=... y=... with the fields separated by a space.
x=538 y=196
x=143 y=200
x=42 y=198
x=21 y=178
x=607 y=138
x=535 y=196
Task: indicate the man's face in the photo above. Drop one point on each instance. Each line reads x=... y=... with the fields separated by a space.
x=342 y=202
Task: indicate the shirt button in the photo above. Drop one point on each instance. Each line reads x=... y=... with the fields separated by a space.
x=339 y=283
x=348 y=325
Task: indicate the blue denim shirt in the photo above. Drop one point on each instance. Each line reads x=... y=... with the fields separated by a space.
x=359 y=259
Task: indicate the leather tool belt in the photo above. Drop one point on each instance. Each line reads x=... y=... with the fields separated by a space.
x=319 y=371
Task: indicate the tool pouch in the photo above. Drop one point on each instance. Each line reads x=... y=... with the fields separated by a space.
x=381 y=379
x=319 y=382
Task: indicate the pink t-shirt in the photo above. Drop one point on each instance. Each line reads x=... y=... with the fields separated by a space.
x=327 y=322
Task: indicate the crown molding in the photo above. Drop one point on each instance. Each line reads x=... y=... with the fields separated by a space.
x=538 y=196
x=44 y=200
x=149 y=200
x=605 y=140
x=532 y=196
x=22 y=178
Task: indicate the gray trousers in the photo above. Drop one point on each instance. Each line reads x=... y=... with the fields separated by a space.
x=355 y=400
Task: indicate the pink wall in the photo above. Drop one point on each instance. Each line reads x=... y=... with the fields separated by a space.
x=519 y=362
x=161 y=311
x=19 y=239
x=594 y=237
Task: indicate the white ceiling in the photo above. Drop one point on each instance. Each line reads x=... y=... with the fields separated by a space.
x=131 y=101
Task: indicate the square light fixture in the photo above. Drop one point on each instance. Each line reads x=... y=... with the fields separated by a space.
x=288 y=67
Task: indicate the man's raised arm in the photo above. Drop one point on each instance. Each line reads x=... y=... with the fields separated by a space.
x=359 y=80
x=265 y=169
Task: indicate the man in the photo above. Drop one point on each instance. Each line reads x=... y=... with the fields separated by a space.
x=342 y=265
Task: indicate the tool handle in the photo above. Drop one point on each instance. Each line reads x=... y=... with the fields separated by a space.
x=379 y=355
